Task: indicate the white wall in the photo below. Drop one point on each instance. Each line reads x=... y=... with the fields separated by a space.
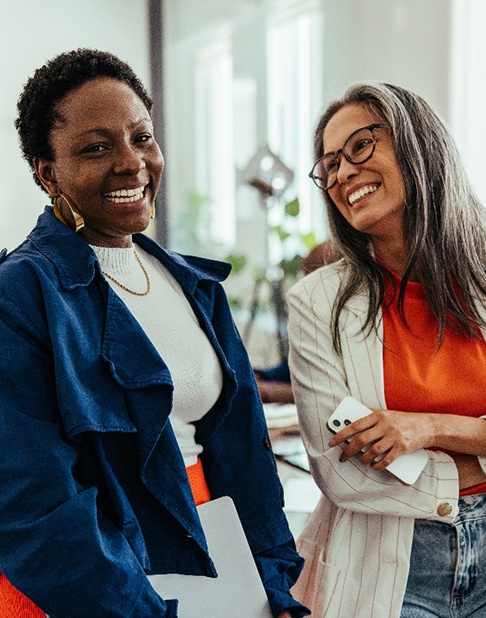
x=33 y=32
x=406 y=42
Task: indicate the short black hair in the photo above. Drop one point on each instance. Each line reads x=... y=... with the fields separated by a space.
x=50 y=83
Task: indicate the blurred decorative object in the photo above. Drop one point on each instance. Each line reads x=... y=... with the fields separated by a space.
x=267 y=173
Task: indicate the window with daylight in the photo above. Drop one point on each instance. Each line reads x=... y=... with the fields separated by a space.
x=226 y=110
x=214 y=159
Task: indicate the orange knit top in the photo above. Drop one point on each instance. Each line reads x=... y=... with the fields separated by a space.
x=197 y=481
x=14 y=604
x=421 y=378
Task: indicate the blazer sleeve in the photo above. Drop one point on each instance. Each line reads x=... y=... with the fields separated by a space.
x=321 y=379
x=55 y=544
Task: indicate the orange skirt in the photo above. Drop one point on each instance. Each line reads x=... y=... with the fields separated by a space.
x=197 y=480
x=14 y=604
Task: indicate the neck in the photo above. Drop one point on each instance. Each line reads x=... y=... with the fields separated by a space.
x=392 y=254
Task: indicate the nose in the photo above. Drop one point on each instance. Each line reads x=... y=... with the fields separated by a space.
x=129 y=160
x=346 y=170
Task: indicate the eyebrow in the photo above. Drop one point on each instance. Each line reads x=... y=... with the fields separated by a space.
x=330 y=153
x=107 y=131
x=370 y=126
x=333 y=152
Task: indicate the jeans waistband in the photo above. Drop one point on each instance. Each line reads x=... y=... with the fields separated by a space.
x=471 y=507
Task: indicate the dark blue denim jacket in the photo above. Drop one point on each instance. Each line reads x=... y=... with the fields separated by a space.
x=94 y=493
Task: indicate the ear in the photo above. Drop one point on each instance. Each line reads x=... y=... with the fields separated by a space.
x=46 y=174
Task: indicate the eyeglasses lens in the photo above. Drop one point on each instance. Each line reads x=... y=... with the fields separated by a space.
x=358 y=148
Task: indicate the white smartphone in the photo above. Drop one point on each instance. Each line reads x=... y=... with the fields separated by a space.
x=407 y=467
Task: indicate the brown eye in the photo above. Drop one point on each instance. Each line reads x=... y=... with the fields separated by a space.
x=361 y=145
x=95 y=148
x=144 y=138
x=329 y=165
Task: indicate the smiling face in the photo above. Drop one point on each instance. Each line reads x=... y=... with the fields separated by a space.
x=106 y=161
x=369 y=195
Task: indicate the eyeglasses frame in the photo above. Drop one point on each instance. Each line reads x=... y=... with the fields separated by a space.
x=335 y=154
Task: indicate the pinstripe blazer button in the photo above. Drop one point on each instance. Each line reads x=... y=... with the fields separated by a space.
x=444 y=509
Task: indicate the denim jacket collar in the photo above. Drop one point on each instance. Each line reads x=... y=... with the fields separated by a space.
x=76 y=261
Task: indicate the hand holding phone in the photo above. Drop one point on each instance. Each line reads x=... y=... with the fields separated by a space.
x=407 y=467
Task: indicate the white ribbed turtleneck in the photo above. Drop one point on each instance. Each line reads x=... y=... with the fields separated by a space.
x=169 y=322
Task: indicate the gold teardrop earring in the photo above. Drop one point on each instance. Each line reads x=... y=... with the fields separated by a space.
x=57 y=210
x=78 y=219
x=152 y=211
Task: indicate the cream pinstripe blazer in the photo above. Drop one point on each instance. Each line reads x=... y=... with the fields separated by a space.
x=357 y=542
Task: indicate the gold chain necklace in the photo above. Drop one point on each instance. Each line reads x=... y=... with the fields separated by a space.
x=124 y=287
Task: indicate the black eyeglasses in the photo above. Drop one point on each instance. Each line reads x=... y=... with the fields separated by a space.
x=358 y=148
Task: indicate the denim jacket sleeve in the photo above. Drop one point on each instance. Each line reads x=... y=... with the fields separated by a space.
x=55 y=544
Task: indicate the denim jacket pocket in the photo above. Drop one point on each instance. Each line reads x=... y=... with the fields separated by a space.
x=102 y=409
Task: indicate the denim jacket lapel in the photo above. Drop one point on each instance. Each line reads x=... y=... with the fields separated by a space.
x=140 y=371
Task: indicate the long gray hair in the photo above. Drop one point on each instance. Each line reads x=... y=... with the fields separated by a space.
x=444 y=222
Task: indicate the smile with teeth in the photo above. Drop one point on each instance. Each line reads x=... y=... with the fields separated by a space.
x=357 y=195
x=125 y=196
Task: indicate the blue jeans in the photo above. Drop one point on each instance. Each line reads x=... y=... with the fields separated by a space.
x=448 y=565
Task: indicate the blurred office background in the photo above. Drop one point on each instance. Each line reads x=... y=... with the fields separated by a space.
x=233 y=80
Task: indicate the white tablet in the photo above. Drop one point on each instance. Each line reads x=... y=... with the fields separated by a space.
x=238 y=591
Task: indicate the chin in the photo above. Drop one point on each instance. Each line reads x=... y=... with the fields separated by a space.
x=139 y=224
x=139 y=229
